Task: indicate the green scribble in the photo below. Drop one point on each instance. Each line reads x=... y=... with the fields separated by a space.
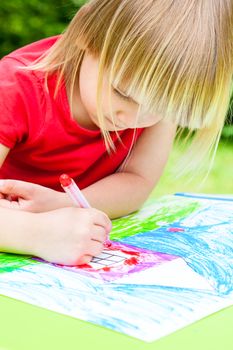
x=12 y=262
x=154 y=215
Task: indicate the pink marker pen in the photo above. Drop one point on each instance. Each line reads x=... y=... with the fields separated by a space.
x=70 y=187
x=73 y=191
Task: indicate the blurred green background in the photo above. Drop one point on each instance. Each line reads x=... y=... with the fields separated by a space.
x=25 y=21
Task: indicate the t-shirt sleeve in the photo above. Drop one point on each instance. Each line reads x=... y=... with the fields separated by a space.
x=13 y=109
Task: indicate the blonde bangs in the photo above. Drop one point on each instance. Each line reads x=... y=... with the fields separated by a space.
x=179 y=69
x=175 y=58
x=178 y=73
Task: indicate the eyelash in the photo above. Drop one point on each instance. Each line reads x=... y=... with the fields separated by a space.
x=126 y=98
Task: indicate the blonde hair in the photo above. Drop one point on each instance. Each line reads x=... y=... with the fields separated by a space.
x=174 y=57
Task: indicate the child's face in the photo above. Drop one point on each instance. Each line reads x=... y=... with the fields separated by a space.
x=124 y=109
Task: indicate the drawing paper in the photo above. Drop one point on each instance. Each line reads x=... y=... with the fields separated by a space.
x=169 y=265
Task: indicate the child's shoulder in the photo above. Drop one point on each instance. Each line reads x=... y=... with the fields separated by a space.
x=12 y=73
x=22 y=89
x=26 y=55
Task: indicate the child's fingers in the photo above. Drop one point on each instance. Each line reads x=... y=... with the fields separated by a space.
x=9 y=197
x=85 y=259
x=5 y=203
x=101 y=219
x=12 y=197
x=99 y=234
x=95 y=248
x=16 y=188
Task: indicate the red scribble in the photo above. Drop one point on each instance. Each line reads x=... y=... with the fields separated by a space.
x=107 y=244
x=131 y=261
x=176 y=229
x=129 y=252
x=106 y=268
x=84 y=266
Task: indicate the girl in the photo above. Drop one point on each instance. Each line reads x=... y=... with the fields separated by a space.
x=102 y=102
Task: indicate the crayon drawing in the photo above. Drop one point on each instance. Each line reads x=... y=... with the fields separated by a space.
x=119 y=260
x=171 y=263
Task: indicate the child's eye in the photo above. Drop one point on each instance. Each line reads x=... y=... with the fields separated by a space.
x=122 y=95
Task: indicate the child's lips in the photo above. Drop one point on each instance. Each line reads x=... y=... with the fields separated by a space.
x=114 y=125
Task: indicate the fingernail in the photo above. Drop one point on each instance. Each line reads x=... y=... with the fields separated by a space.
x=2 y=183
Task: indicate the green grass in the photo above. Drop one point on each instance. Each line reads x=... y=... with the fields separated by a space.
x=220 y=179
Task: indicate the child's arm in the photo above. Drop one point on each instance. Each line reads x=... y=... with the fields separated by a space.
x=118 y=194
x=124 y=192
x=68 y=236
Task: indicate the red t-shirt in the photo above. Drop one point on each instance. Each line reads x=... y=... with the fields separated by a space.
x=44 y=139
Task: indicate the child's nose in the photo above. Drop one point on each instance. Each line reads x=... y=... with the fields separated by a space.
x=126 y=120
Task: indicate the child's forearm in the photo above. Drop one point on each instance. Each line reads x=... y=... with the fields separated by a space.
x=68 y=236
x=119 y=194
x=17 y=231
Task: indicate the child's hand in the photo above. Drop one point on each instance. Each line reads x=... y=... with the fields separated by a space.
x=27 y=196
x=70 y=236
